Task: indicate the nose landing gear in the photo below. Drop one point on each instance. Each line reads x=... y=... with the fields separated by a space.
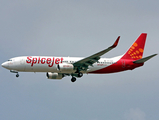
x=17 y=75
x=12 y=71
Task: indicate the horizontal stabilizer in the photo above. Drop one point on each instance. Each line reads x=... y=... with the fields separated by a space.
x=144 y=59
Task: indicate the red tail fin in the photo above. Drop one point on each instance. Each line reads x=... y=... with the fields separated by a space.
x=135 y=52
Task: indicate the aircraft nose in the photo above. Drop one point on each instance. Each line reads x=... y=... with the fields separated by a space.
x=5 y=64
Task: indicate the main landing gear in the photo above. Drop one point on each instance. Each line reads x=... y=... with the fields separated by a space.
x=80 y=74
x=73 y=79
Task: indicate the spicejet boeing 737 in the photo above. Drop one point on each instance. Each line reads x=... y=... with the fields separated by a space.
x=59 y=67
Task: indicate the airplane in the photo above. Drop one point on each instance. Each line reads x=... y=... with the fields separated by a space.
x=59 y=67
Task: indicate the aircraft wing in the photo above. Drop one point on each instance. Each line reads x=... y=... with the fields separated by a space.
x=89 y=61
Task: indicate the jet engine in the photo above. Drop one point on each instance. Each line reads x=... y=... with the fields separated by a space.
x=51 y=75
x=65 y=67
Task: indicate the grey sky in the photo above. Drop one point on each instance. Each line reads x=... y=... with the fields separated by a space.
x=78 y=28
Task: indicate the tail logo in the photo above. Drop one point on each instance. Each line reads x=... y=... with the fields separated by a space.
x=134 y=52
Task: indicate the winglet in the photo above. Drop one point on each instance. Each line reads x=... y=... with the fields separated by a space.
x=144 y=59
x=116 y=42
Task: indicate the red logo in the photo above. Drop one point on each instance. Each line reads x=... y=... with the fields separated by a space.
x=49 y=61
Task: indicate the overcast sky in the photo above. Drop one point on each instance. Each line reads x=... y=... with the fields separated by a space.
x=78 y=28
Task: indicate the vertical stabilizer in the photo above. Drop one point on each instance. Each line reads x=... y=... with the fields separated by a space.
x=135 y=52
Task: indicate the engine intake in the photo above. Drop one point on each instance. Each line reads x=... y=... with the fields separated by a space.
x=51 y=75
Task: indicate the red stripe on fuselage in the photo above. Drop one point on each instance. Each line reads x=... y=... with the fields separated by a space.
x=121 y=65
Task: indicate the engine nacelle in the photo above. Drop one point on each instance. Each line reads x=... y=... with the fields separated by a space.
x=51 y=75
x=65 y=67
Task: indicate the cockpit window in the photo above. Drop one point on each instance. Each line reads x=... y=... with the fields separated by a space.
x=10 y=60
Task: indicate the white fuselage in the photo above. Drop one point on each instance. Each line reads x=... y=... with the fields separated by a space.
x=49 y=64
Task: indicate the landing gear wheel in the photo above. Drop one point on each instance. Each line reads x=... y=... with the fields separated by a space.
x=80 y=74
x=17 y=75
x=73 y=79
